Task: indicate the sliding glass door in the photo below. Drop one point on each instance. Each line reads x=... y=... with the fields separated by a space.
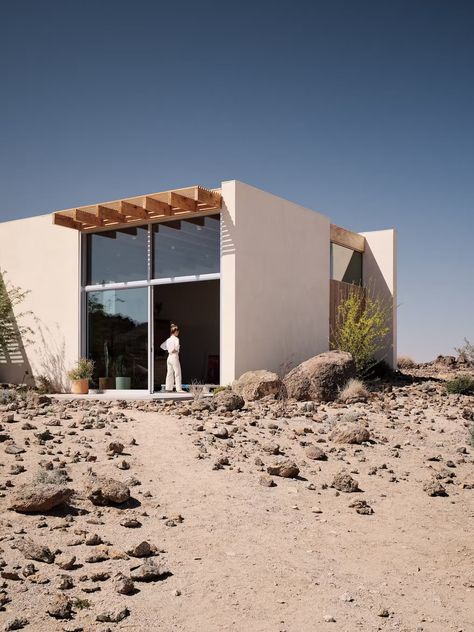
x=136 y=280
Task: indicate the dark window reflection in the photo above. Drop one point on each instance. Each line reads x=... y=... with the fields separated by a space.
x=346 y=265
x=185 y=248
x=118 y=336
x=115 y=256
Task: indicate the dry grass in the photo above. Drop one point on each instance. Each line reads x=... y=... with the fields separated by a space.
x=405 y=362
x=354 y=389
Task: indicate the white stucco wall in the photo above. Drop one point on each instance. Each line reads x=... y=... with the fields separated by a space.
x=43 y=259
x=274 y=282
x=380 y=277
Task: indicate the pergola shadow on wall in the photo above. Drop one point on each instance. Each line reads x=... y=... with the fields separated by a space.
x=131 y=248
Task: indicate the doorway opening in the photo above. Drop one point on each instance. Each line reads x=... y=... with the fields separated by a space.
x=195 y=308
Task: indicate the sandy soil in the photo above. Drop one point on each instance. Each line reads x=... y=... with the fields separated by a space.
x=290 y=558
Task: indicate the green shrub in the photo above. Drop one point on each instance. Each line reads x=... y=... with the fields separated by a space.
x=83 y=370
x=362 y=324
x=462 y=385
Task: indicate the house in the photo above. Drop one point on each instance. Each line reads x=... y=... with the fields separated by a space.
x=252 y=279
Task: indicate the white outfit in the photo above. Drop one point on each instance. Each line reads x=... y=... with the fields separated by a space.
x=173 y=373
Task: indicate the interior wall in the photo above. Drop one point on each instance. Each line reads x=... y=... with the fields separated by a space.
x=275 y=281
x=194 y=307
x=43 y=259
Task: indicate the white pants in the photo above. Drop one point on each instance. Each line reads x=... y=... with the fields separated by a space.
x=173 y=373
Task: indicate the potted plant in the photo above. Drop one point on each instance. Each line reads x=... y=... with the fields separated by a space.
x=106 y=382
x=121 y=381
x=80 y=376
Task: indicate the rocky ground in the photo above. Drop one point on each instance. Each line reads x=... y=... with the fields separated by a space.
x=279 y=516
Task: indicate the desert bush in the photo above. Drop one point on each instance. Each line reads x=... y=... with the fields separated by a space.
x=462 y=385
x=465 y=352
x=196 y=389
x=83 y=370
x=51 y=477
x=7 y=395
x=405 y=362
x=218 y=389
x=362 y=323
x=44 y=386
x=353 y=389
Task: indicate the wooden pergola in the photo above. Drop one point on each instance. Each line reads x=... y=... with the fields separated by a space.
x=190 y=203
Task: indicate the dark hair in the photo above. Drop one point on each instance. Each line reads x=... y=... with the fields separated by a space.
x=174 y=328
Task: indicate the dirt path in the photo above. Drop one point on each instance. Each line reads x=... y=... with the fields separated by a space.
x=253 y=558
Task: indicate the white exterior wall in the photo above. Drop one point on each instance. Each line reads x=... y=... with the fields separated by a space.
x=43 y=259
x=274 y=282
x=380 y=277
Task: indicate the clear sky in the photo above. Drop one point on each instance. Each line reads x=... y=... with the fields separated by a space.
x=362 y=110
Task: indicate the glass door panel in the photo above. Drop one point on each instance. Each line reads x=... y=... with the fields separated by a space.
x=117 y=323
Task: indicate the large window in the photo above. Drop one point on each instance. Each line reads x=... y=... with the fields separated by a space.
x=346 y=265
x=116 y=256
x=184 y=248
x=118 y=336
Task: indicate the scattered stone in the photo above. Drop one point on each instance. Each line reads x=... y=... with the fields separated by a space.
x=350 y=433
x=14 y=449
x=228 y=400
x=220 y=432
x=115 y=447
x=60 y=607
x=149 y=572
x=362 y=507
x=284 y=468
x=33 y=551
x=144 y=549
x=315 y=454
x=344 y=482
x=107 y=491
x=113 y=616
x=124 y=585
x=131 y=523
x=433 y=487
x=266 y=481
x=16 y=624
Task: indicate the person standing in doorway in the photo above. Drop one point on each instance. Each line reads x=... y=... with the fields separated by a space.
x=173 y=372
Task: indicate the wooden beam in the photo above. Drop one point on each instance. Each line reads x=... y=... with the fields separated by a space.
x=156 y=206
x=87 y=218
x=66 y=221
x=182 y=202
x=133 y=210
x=210 y=198
x=105 y=212
x=347 y=238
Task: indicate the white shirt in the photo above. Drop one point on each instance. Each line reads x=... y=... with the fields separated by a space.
x=171 y=345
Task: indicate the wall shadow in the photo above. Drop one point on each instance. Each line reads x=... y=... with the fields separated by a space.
x=15 y=367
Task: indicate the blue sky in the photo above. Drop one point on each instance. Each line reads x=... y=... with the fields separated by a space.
x=360 y=110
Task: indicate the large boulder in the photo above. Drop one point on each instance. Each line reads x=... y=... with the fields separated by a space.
x=254 y=385
x=33 y=551
x=320 y=377
x=32 y=497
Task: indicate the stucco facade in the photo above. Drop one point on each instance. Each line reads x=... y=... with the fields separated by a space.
x=274 y=286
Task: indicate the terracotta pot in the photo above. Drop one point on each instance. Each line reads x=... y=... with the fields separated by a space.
x=80 y=387
x=106 y=383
